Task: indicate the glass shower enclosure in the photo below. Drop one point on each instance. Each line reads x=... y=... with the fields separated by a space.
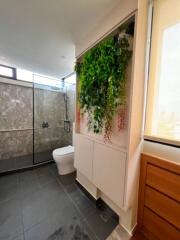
x=53 y=117
x=36 y=118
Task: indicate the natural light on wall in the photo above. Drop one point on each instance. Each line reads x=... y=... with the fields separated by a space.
x=70 y=79
x=28 y=76
x=163 y=106
x=44 y=80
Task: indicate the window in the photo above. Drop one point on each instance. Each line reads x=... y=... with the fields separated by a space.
x=163 y=103
x=27 y=76
x=71 y=79
x=44 y=80
x=7 y=71
x=24 y=75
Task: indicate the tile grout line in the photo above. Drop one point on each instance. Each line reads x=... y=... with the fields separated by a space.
x=40 y=187
x=83 y=218
x=20 y=196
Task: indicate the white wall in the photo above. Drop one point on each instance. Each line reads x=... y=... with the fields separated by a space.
x=163 y=151
x=125 y=8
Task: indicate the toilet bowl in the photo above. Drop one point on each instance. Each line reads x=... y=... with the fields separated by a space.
x=64 y=158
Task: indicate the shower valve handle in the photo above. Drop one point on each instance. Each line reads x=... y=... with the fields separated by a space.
x=45 y=125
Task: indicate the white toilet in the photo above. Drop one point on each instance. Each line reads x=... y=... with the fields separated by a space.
x=64 y=158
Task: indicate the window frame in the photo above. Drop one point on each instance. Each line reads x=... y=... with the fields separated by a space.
x=149 y=137
x=14 y=74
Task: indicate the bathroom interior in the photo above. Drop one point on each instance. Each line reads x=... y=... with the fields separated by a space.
x=89 y=124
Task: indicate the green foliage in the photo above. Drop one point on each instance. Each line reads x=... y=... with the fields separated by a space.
x=102 y=82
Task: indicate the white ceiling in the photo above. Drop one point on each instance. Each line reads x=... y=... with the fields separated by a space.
x=40 y=35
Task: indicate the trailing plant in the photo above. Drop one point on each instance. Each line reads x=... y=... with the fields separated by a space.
x=102 y=82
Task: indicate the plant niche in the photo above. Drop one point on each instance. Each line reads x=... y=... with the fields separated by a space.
x=102 y=84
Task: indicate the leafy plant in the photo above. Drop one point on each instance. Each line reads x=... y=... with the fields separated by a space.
x=102 y=82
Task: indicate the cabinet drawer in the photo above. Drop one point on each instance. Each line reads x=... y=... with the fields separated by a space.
x=164 y=206
x=159 y=227
x=83 y=159
x=109 y=172
x=164 y=181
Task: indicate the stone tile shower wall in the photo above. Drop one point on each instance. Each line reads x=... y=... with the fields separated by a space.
x=16 y=118
x=49 y=106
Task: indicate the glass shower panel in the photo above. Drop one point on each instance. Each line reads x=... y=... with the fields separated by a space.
x=52 y=125
x=16 y=126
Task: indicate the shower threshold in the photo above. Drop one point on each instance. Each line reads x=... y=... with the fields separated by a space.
x=25 y=162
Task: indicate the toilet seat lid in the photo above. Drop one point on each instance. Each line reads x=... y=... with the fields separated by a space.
x=64 y=150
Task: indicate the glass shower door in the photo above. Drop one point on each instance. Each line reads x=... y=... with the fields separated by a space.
x=49 y=113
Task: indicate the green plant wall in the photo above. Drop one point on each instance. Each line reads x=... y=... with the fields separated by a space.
x=102 y=82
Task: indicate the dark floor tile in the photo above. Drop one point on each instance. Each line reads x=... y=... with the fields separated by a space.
x=20 y=237
x=28 y=176
x=7 y=164
x=106 y=212
x=76 y=192
x=28 y=188
x=8 y=193
x=54 y=170
x=57 y=216
x=91 y=234
x=69 y=224
x=45 y=175
x=32 y=198
x=85 y=205
x=41 y=231
x=34 y=208
x=51 y=187
x=49 y=206
x=66 y=214
x=56 y=203
x=34 y=214
x=67 y=180
x=8 y=180
x=42 y=157
x=10 y=219
x=101 y=228
x=28 y=183
x=75 y=229
x=45 y=170
x=9 y=187
x=23 y=161
x=45 y=179
x=43 y=204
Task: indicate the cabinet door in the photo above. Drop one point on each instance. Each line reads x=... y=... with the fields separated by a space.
x=83 y=155
x=109 y=172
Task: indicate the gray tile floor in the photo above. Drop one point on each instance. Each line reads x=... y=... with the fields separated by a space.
x=39 y=204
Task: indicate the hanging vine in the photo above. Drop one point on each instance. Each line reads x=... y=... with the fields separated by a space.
x=102 y=83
